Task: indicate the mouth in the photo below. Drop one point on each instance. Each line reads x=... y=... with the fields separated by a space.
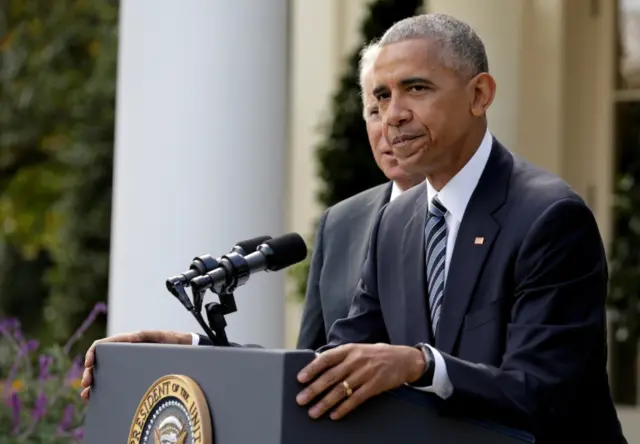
x=403 y=139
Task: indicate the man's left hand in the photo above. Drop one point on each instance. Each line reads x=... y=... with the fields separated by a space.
x=365 y=370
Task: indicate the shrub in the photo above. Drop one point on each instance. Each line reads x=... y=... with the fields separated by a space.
x=41 y=388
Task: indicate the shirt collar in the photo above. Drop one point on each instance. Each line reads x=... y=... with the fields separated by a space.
x=455 y=195
x=395 y=191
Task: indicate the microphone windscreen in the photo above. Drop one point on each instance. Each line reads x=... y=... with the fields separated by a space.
x=287 y=250
x=250 y=245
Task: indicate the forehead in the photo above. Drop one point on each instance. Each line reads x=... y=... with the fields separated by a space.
x=367 y=88
x=407 y=58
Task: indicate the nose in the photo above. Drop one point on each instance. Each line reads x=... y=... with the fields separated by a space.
x=396 y=113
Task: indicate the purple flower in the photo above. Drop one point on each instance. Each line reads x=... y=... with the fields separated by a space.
x=16 y=406
x=5 y=326
x=45 y=363
x=40 y=407
x=78 y=433
x=76 y=370
x=8 y=326
x=30 y=346
x=67 y=417
x=99 y=308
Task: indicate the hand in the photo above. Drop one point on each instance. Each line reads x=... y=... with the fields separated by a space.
x=148 y=336
x=368 y=369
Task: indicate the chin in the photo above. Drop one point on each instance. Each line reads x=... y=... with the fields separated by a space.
x=396 y=173
x=410 y=168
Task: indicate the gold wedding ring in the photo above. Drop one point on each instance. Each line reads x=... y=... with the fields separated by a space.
x=347 y=388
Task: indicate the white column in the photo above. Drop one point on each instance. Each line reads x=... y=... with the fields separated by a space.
x=200 y=155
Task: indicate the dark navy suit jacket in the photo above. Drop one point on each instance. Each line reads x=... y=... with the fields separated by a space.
x=522 y=328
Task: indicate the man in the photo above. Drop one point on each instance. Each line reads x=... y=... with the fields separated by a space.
x=485 y=286
x=343 y=231
x=341 y=242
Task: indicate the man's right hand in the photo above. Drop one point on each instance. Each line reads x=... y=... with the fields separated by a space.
x=147 y=336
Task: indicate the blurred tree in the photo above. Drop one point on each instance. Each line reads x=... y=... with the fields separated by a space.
x=57 y=89
x=624 y=295
x=346 y=165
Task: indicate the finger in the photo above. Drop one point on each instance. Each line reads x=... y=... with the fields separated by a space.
x=330 y=358
x=85 y=393
x=148 y=336
x=90 y=356
x=158 y=336
x=364 y=392
x=336 y=395
x=324 y=382
x=87 y=377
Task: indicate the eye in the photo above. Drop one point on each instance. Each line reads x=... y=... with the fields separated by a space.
x=382 y=96
x=417 y=88
x=374 y=112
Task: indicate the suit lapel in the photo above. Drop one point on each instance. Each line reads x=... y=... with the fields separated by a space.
x=413 y=281
x=357 y=235
x=378 y=201
x=476 y=235
x=371 y=209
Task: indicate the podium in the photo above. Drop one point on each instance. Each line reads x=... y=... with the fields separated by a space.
x=249 y=397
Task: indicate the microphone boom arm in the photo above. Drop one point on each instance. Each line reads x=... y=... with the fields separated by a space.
x=177 y=288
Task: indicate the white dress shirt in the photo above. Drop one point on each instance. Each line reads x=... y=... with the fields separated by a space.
x=455 y=196
x=395 y=192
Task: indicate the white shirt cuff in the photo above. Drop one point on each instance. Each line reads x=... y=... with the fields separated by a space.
x=195 y=339
x=441 y=386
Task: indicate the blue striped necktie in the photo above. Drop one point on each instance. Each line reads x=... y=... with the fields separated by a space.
x=436 y=251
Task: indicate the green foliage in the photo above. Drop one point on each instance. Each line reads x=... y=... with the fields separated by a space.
x=57 y=89
x=40 y=390
x=346 y=164
x=624 y=297
x=624 y=294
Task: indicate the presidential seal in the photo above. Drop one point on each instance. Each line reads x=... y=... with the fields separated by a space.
x=173 y=411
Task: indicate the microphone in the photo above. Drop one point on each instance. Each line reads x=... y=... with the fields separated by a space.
x=234 y=270
x=199 y=266
x=203 y=264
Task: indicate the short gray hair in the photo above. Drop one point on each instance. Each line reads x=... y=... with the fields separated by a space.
x=368 y=56
x=461 y=48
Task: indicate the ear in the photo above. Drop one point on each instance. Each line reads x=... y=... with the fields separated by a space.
x=482 y=90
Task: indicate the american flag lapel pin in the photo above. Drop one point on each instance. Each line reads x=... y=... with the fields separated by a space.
x=479 y=241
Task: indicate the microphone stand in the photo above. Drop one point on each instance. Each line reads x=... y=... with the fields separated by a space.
x=177 y=288
x=216 y=312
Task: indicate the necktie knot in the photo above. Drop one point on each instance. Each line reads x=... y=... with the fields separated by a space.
x=436 y=209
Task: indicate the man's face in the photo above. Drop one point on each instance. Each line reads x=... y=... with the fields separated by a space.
x=425 y=107
x=382 y=152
